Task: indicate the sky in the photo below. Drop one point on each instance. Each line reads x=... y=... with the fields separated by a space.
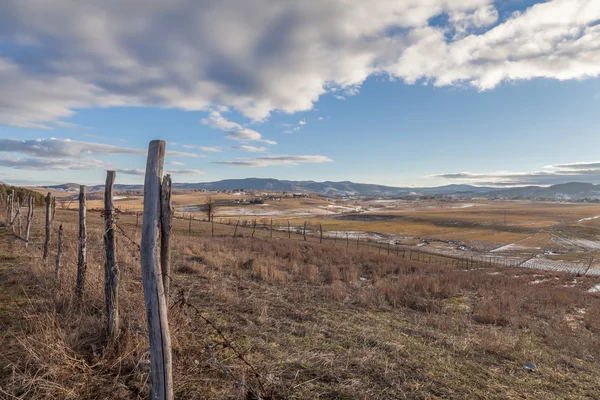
x=394 y=92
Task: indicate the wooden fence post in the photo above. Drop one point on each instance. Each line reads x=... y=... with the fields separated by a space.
x=166 y=224
x=347 y=240
x=271 y=234
x=11 y=199
x=48 y=222
x=304 y=231
x=236 y=226
x=111 y=268
x=81 y=254
x=18 y=217
x=212 y=228
x=29 y=218
x=59 y=254
x=161 y=383
x=190 y=226
x=137 y=219
x=289 y=230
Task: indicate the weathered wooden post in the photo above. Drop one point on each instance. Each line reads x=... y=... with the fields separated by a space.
x=289 y=230
x=29 y=219
x=166 y=224
x=53 y=207
x=304 y=231
x=18 y=217
x=335 y=238
x=11 y=199
x=59 y=254
x=347 y=240
x=271 y=232
x=161 y=383
x=111 y=268
x=388 y=248
x=236 y=226
x=137 y=219
x=48 y=222
x=190 y=226
x=81 y=253
x=321 y=233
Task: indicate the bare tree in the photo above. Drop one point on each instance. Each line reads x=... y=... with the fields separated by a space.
x=210 y=206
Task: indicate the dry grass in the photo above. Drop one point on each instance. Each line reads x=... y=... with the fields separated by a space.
x=316 y=321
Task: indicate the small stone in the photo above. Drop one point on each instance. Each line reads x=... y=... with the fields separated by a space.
x=529 y=366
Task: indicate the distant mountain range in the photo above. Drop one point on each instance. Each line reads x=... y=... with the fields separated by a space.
x=566 y=191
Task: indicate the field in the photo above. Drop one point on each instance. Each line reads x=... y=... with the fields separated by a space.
x=554 y=235
x=265 y=314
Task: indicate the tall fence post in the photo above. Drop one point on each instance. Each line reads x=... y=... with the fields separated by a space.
x=111 y=268
x=166 y=223
x=81 y=253
x=59 y=253
x=161 y=384
x=48 y=219
x=29 y=218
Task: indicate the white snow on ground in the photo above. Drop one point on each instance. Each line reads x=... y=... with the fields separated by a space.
x=561 y=266
x=570 y=242
x=589 y=218
x=468 y=205
x=513 y=247
x=595 y=289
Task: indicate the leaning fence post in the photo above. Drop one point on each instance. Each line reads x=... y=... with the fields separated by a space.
x=161 y=384
x=29 y=218
x=166 y=223
x=48 y=219
x=111 y=268
x=59 y=253
x=81 y=254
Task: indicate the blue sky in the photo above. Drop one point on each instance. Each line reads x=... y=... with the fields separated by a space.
x=479 y=92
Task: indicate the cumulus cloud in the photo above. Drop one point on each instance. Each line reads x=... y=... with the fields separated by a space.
x=234 y=130
x=550 y=175
x=275 y=160
x=258 y=56
x=251 y=149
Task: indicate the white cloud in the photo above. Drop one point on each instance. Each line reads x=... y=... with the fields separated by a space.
x=257 y=56
x=302 y=122
x=176 y=163
x=202 y=148
x=234 y=130
x=251 y=149
x=551 y=174
x=275 y=160
x=142 y=172
x=39 y=163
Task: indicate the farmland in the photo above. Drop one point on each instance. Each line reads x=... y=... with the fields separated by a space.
x=378 y=310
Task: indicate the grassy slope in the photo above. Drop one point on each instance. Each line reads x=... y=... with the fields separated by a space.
x=302 y=316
